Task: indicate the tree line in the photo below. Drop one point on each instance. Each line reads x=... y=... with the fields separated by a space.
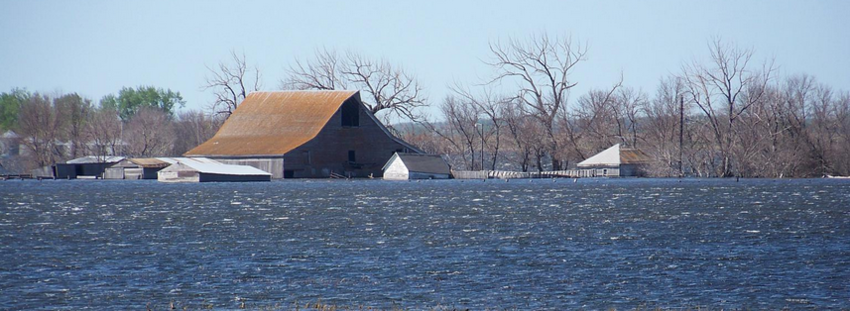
x=135 y=122
x=729 y=115
x=726 y=116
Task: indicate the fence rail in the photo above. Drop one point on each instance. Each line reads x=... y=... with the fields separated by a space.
x=513 y=174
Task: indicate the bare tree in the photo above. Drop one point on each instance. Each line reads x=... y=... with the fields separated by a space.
x=103 y=129
x=724 y=92
x=231 y=82
x=629 y=106
x=41 y=127
x=75 y=110
x=842 y=118
x=386 y=88
x=421 y=136
x=525 y=132
x=149 y=133
x=460 y=131
x=541 y=67
x=192 y=128
x=492 y=108
x=662 y=128
x=595 y=124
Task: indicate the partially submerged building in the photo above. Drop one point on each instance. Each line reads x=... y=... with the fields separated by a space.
x=84 y=167
x=293 y=134
x=135 y=168
x=204 y=170
x=144 y=168
x=614 y=162
x=404 y=166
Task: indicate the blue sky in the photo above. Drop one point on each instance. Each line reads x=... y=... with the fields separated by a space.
x=96 y=47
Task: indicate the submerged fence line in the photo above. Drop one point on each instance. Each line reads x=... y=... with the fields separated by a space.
x=513 y=174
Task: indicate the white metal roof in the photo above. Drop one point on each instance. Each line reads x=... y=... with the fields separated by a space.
x=610 y=156
x=208 y=166
x=94 y=159
x=182 y=159
x=10 y=134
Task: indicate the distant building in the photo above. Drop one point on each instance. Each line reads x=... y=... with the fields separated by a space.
x=614 y=162
x=293 y=134
x=195 y=170
x=143 y=168
x=10 y=144
x=84 y=167
x=404 y=166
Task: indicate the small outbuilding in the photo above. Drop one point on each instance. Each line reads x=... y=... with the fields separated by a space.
x=85 y=167
x=403 y=166
x=205 y=170
x=137 y=168
x=614 y=162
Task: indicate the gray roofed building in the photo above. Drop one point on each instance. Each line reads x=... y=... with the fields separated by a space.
x=88 y=166
x=205 y=170
x=402 y=166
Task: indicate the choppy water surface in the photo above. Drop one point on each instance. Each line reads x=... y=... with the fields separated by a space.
x=527 y=245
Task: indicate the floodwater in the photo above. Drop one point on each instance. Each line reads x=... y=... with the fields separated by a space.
x=541 y=244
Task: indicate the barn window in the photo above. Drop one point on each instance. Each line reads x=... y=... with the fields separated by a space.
x=350 y=113
x=352 y=157
x=307 y=159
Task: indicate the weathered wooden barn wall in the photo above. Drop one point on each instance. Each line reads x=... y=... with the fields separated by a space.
x=329 y=150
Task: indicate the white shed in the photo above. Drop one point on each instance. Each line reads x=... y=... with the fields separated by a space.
x=613 y=162
x=204 y=170
x=404 y=166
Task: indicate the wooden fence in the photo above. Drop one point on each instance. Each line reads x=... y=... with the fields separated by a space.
x=513 y=174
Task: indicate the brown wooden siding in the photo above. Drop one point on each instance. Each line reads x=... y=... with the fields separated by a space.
x=328 y=151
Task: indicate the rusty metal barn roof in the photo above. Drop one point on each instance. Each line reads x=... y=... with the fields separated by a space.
x=633 y=156
x=273 y=123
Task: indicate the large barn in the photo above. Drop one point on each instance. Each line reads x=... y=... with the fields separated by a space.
x=310 y=134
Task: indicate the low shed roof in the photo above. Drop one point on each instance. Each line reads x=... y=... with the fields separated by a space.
x=215 y=168
x=149 y=162
x=94 y=159
x=633 y=156
x=422 y=163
